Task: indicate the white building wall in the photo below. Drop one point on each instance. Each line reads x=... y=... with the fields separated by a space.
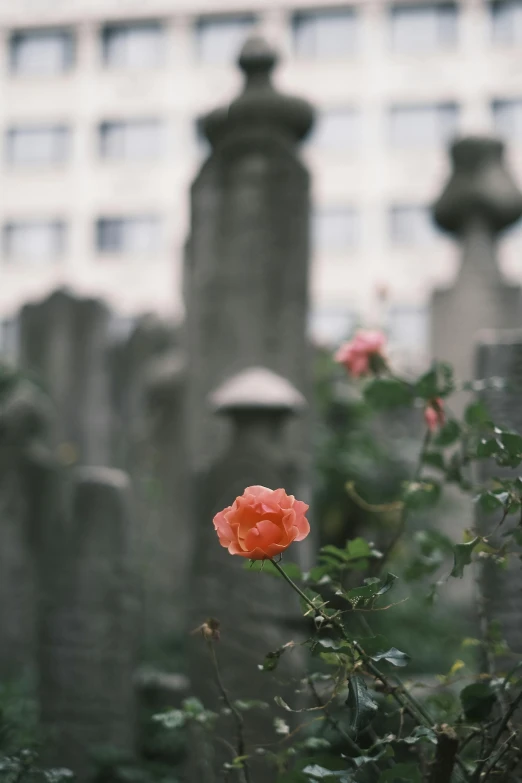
x=369 y=176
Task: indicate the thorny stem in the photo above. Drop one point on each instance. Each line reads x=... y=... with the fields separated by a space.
x=332 y=721
x=235 y=712
x=501 y=752
x=399 y=693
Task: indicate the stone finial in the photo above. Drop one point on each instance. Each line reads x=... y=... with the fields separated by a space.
x=257 y=389
x=259 y=103
x=479 y=186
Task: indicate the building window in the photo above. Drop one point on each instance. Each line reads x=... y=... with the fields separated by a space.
x=41 y=52
x=135 y=45
x=423 y=124
x=37 y=145
x=335 y=229
x=220 y=38
x=423 y=28
x=128 y=235
x=329 y=326
x=131 y=139
x=411 y=225
x=507 y=117
x=337 y=129
x=506 y=21
x=35 y=241
x=408 y=328
x=325 y=34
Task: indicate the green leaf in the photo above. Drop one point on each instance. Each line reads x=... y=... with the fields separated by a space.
x=250 y=704
x=172 y=719
x=448 y=434
x=462 y=556
x=272 y=658
x=360 y=704
x=435 y=459
x=490 y=501
x=421 y=494
x=476 y=415
x=316 y=772
x=378 y=648
x=401 y=773
x=477 y=701
x=488 y=447
x=393 y=656
x=383 y=393
x=373 y=587
x=437 y=382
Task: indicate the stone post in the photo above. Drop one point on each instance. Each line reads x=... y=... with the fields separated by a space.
x=479 y=201
x=248 y=255
x=255 y=610
x=87 y=630
x=63 y=343
x=499 y=354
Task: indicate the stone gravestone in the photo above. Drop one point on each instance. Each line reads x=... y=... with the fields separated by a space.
x=248 y=255
x=25 y=416
x=169 y=536
x=255 y=610
x=148 y=399
x=63 y=343
x=479 y=200
x=87 y=628
x=499 y=354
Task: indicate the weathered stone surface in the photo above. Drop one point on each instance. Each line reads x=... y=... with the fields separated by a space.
x=499 y=354
x=63 y=343
x=257 y=612
x=24 y=420
x=88 y=623
x=247 y=259
x=479 y=200
x=167 y=546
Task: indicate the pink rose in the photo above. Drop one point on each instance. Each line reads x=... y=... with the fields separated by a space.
x=357 y=354
x=261 y=523
x=434 y=415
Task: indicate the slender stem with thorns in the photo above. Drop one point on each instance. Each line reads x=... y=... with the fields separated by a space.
x=238 y=718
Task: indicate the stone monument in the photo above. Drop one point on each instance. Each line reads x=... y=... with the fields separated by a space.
x=248 y=255
x=479 y=201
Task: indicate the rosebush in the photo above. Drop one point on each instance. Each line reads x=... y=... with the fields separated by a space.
x=362 y=723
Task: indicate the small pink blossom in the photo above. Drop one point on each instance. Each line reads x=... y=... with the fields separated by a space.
x=434 y=415
x=357 y=354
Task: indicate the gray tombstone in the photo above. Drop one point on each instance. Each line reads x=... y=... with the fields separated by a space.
x=256 y=611
x=479 y=200
x=499 y=354
x=63 y=343
x=167 y=543
x=87 y=628
x=25 y=417
x=248 y=255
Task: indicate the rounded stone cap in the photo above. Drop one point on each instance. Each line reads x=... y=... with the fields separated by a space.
x=479 y=186
x=259 y=103
x=257 y=388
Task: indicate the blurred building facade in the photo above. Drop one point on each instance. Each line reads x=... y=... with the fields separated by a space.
x=98 y=126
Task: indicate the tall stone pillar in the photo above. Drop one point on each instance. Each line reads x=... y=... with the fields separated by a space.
x=257 y=612
x=247 y=266
x=499 y=354
x=479 y=201
x=63 y=343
